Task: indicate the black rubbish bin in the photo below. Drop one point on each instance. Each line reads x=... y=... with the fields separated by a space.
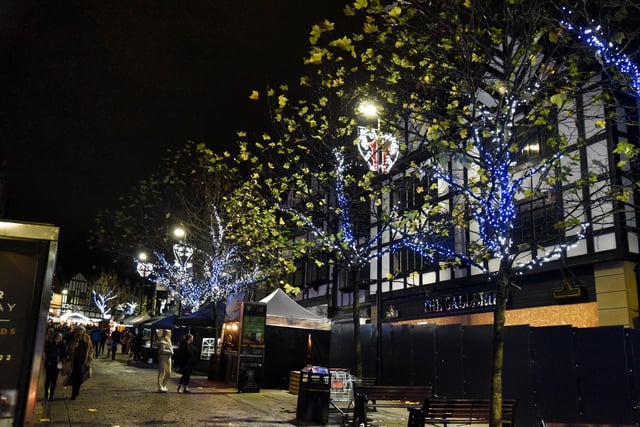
x=314 y=394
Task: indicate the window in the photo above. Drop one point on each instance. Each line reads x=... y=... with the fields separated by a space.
x=316 y=274
x=535 y=220
x=532 y=142
x=411 y=192
x=406 y=261
x=309 y=274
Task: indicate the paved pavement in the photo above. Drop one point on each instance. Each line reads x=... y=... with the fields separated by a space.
x=123 y=395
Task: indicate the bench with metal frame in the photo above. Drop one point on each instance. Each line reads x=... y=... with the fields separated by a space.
x=383 y=396
x=444 y=411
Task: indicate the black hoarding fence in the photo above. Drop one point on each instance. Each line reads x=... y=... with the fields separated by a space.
x=558 y=374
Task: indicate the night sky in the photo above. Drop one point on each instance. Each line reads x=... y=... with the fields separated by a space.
x=93 y=92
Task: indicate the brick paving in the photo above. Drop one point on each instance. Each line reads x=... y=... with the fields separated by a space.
x=123 y=395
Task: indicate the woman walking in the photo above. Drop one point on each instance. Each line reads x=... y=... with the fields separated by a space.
x=54 y=353
x=165 y=351
x=187 y=357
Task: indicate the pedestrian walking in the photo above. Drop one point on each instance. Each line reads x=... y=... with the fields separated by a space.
x=54 y=353
x=126 y=341
x=115 y=340
x=165 y=351
x=186 y=357
x=80 y=351
x=104 y=335
x=95 y=339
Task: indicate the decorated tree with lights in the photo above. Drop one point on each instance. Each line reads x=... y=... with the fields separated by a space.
x=218 y=273
x=326 y=169
x=209 y=196
x=109 y=293
x=101 y=300
x=498 y=104
x=128 y=307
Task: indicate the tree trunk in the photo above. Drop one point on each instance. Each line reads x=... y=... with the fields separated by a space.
x=357 y=346
x=499 y=314
x=214 y=360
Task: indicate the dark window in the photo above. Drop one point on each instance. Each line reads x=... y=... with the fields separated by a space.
x=535 y=222
x=309 y=274
x=317 y=274
x=411 y=192
x=406 y=261
x=360 y=215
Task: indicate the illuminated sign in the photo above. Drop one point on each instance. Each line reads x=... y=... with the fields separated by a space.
x=460 y=302
x=379 y=150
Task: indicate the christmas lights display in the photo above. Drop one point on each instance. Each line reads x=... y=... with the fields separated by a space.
x=128 y=308
x=101 y=300
x=349 y=247
x=218 y=276
x=606 y=51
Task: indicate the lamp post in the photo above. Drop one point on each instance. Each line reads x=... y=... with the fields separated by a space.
x=380 y=151
x=182 y=253
x=145 y=269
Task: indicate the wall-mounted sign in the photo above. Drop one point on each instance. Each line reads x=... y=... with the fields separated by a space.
x=391 y=313
x=460 y=302
x=568 y=292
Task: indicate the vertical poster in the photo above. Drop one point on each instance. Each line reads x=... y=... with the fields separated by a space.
x=27 y=257
x=251 y=360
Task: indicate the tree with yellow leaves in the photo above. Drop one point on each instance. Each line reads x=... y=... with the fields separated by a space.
x=501 y=107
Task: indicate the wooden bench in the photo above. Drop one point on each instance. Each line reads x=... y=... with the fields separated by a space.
x=375 y=396
x=443 y=411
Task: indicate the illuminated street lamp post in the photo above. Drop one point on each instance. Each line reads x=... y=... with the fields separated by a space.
x=182 y=253
x=145 y=269
x=380 y=151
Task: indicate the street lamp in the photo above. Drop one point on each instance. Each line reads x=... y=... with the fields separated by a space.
x=145 y=269
x=182 y=251
x=380 y=151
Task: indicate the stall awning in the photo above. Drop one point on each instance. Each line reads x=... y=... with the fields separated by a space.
x=282 y=310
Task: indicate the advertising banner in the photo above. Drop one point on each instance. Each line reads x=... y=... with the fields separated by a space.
x=251 y=360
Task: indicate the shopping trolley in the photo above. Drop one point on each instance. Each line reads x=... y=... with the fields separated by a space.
x=341 y=391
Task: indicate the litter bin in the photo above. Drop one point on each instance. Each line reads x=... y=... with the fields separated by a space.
x=313 y=395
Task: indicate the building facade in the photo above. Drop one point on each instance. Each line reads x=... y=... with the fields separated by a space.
x=594 y=282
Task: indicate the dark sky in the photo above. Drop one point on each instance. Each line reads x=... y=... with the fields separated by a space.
x=93 y=92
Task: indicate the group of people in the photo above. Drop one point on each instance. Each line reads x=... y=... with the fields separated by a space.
x=185 y=356
x=75 y=348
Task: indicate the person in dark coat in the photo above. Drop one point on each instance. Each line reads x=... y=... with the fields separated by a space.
x=187 y=357
x=54 y=353
x=80 y=351
x=104 y=335
x=115 y=340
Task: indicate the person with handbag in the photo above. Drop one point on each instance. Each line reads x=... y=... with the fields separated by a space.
x=80 y=351
x=54 y=354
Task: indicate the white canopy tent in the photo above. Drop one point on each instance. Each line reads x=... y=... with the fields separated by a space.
x=282 y=310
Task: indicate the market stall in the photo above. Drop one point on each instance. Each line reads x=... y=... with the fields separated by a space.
x=294 y=337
